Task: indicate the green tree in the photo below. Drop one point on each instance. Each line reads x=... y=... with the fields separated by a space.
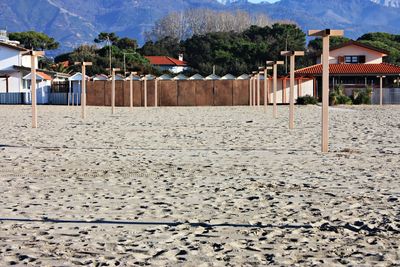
x=104 y=36
x=385 y=41
x=238 y=53
x=34 y=40
x=167 y=46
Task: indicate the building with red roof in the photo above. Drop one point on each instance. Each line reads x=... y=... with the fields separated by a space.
x=354 y=65
x=170 y=64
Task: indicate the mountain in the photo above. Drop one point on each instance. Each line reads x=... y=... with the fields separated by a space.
x=73 y=22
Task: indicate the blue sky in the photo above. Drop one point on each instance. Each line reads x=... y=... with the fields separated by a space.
x=258 y=1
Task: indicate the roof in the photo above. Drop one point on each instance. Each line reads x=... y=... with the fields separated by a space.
x=165 y=61
x=196 y=77
x=100 y=77
x=228 y=77
x=370 y=47
x=39 y=76
x=15 y=47
x=77 y=77
x=351 y=69
x=212 y=77
x=165 y=77
x=180 y=77
x=243 y=77
x=48 y=72
x=118 y=77
x=149 y=77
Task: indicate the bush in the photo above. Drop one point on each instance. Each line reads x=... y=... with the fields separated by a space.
x=362 y=96
x=306 y=100
x=338 y=97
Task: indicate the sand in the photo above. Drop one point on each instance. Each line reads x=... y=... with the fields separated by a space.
x=205 y=186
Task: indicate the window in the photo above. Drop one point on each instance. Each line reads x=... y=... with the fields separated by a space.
x=354 y=59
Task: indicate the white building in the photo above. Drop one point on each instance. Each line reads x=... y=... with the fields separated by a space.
x=14 y=65
x=164 y=63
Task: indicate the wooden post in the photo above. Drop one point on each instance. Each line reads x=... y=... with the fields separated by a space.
x=33 y=91
x=275 y=88
x=34 y=55
x=113 y=70
x=251 y=91
x=275 y=64
x=254 y=87
x=131 y=92
x=131 y=88
x=266 y=88
x=381 y=89
x=292 y=55
x=258 y=89
x=254 y=90
x=155 y=92
x=325 y=34
x=145 y=91
x=83 y=91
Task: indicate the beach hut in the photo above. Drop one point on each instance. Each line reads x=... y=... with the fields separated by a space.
x=213 y=77
x=165 y=77
x=228 y=77
x=133 y=78
x=118 y=77
x=149 y=77
x=43 y=86
x=75 y=82
x=99 y=77
x=180 y=77
x=243 y=77
x=196 y=77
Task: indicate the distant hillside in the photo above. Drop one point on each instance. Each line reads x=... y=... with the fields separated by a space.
x=73 y=22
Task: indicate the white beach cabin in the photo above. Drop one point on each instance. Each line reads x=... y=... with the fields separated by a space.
x=43 y=87
x=75 y=87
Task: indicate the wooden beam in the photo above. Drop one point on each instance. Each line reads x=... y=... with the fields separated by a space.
x=325 y=34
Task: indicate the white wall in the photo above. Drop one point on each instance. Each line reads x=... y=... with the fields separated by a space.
x=371 y=57
x=26 y=61
x=306 y=88
x=14 y=83
x=8 y=58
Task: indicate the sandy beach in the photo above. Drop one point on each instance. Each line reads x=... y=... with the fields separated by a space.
x=201 y=186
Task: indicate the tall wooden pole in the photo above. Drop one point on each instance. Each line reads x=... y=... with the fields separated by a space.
x=275 y=85
x=325 y=34
x=113 y=92
x=325 y=93
x=33 y=90
x=291 y=100
x=113 y=70
x=265 y=90
x=251 y=91
x=145 y=91
x=274 y=65
x=258 y=89
x=83 y=91
x=131 y=92
x=131 y=88
x=254 y=87
x=155 y=92
x=34 y=55
x=381 y=90
x=292 y=55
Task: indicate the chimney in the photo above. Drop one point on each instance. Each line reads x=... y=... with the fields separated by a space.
x=180 y=57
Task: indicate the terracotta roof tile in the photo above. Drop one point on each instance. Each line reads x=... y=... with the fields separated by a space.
x=163 y=60
x=44 y=75
x=348 y=69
